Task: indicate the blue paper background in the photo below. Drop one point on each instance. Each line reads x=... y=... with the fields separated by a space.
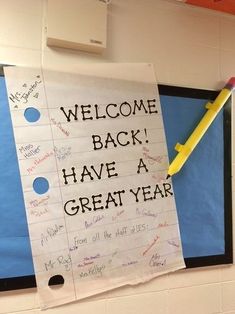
x=198 y=187
x=15 y=252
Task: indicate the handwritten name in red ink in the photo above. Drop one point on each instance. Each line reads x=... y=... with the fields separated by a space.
x=158 y=178
x=38 y=161
x=36 y=203
x=59 y=126
x=151 y=245
x=162 y=225
x=151 y=159
x=89 y=260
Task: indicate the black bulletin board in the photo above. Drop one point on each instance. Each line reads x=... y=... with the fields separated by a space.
x=195 y=213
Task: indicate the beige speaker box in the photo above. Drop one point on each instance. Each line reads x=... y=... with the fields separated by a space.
x=77 y=24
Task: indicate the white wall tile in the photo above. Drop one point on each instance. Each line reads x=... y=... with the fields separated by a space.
x=19 y=29
x=81 y=307
x=194 y=277
x=27 y=6
x=228 y=273
x=151 y=303
x=228 y=296
x=227 y=33
x=193 y=65
x=181 y=28
x=65 y=59
x=227 y=63
x=19 y=300
x=175 y=39
x=19 y=56
x=37 y=311
x=205 y=299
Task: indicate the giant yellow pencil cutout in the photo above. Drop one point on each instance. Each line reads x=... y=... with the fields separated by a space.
x=184 y=151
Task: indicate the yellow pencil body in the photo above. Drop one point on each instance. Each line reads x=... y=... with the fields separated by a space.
x=185 y=150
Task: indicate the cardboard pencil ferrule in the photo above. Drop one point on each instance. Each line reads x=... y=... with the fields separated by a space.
x=183 y=149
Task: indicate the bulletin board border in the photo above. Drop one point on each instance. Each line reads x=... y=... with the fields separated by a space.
x=16 y=283
x=24 y=282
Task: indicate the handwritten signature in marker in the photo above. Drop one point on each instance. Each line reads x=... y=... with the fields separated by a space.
x=173 y=243
x=156 y=261
x=24 y=96
x=151 y=245
x=151 y=159
x=62 y=153
x=51 y=233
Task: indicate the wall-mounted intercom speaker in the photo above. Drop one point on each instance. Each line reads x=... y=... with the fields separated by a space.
x=77 y=24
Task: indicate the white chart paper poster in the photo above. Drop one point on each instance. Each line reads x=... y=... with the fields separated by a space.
x=93 y=162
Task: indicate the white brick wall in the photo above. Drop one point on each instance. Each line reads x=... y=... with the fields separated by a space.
x=189 y=46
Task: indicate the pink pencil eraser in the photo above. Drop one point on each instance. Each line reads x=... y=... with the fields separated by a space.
x=231 y=83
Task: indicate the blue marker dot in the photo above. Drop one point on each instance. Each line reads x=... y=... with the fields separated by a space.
x=31 y=114
x=40 y=185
